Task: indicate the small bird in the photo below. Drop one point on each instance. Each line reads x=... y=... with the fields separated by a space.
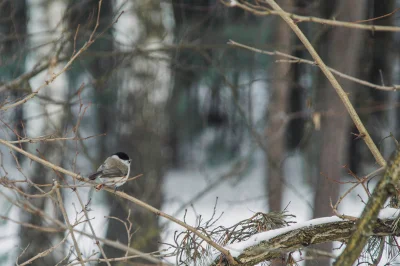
x=114 y=171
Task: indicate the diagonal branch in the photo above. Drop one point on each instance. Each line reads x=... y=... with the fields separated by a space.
x=44 y=253
x=27 y=206
x=125 y=196
x=54 y=76
x=382 y=191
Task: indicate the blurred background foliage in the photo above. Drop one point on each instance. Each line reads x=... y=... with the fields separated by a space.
x=167 y=89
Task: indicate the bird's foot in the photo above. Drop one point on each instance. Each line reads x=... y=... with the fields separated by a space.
x=99 y=187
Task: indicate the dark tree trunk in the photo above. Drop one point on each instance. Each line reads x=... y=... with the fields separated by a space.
x=192 y=21
x=377 y=67
x=277 y=109
x=106 y=89
x=341 y=53
x=140 y=126
x=84 y=13
x=13 y=27
x=121 y=108
x=381 y=72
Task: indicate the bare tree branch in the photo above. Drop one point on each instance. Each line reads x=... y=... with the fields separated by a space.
x=298 y=60
x=298 y=238
x=125 y=196
x=264 y=11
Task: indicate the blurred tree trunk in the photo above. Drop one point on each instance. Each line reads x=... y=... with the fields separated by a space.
x=191 y=23
x=55 y=152
x=13 y=28
x=39 y=241
x=377 y=61
x=130 y=111
x=204 y=77
x=381 y=73
x=277 y=110
x=101 y=68
x=141 y=131
x=105 y=89
x=340 y=49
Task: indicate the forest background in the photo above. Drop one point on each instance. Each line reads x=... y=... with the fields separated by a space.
x=219 y=104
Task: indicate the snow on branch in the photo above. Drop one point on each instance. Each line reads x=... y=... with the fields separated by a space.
x=273 y=243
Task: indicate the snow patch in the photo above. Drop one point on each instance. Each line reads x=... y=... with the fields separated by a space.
x=387 y=213
x=266 y=236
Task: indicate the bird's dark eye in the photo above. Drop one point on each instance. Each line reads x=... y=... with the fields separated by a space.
x=129 y=161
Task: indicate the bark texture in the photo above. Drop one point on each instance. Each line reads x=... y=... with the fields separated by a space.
x=304 y=237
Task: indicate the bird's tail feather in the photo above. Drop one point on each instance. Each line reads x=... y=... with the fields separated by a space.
x=95 y=175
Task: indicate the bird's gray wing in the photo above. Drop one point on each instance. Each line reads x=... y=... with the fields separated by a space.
x=112 y=172
x=107 y=173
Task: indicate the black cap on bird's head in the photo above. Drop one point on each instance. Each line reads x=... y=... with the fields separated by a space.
x=122 y=156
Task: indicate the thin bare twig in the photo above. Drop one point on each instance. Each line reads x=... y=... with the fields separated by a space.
x=175 y=220
x=47 y=82
x=298 y=60
x=28 y=206
x=35 y=227
x=91 y=228
x=75 y=36
x=70 y=228
x=50 y=138
x=264 y=11
x=128 y=228
x=125 y=258
x=67 y=65
x=44 y=253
